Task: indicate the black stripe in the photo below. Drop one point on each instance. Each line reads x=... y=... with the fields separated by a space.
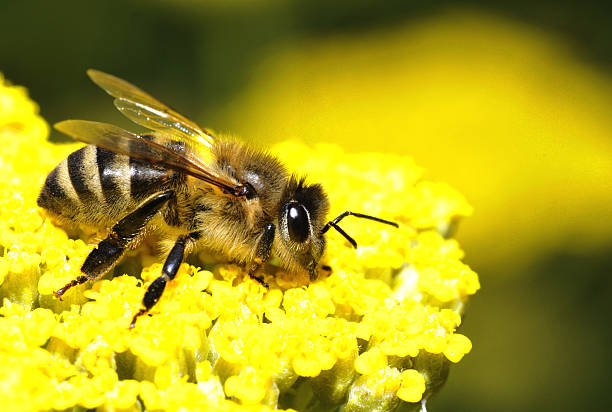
x=53 y=197
x=76 y=168
x=108 y=170
x=47 y=202
x=146 y=178
x=53 y=186
x=148 y=152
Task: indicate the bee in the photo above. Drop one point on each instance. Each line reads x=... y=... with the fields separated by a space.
x=196 y=190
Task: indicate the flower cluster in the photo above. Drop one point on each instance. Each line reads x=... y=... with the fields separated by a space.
x=379 y=332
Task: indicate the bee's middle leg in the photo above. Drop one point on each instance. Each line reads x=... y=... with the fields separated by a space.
x=106 y=255
x=169 y=271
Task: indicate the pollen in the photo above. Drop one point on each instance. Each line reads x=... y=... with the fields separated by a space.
x=377 y=332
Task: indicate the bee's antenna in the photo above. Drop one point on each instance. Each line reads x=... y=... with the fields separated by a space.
x=342 y=232
x=334 y=224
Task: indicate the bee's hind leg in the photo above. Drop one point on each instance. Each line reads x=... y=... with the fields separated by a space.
x=106 y=255
x=169 y=271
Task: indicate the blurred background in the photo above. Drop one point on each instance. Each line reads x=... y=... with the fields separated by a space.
x=510 y=102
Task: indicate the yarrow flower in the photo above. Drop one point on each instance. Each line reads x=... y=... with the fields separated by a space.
x=378 y=333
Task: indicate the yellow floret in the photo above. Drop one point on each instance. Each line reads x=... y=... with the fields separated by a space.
x=249 y=386
x=369 y=362
x=458 y=346
x=412 y=386
x=377 y=332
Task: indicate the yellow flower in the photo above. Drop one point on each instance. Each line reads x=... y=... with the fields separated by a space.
x=378 y=332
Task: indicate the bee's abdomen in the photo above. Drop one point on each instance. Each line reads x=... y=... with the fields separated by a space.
x=94 y=185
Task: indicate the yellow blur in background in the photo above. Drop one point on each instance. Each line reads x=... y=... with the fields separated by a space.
x=503 y=112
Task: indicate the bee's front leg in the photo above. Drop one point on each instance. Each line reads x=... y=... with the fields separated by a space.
x=263 y=252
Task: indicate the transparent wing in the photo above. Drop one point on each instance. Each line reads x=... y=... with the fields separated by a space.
x=157 y=147
x=147 y=111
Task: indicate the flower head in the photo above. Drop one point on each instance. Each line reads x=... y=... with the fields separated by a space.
x=379 y=331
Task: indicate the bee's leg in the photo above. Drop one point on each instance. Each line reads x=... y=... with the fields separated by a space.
x=263 y=252
x=107 y=253
x=171 y=267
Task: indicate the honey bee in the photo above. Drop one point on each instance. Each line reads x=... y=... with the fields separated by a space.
x=190 y=187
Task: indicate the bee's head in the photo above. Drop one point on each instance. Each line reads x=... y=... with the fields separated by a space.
x=300 y=222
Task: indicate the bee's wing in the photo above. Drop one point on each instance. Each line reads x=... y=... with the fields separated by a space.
x=158 y=148
x=147 y=111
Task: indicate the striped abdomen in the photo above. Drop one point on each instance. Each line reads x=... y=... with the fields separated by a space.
x=94 y=185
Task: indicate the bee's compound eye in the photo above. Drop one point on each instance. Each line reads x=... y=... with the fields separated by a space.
x=297 y=223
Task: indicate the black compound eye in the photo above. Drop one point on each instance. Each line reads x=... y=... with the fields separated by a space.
x=297 y=223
